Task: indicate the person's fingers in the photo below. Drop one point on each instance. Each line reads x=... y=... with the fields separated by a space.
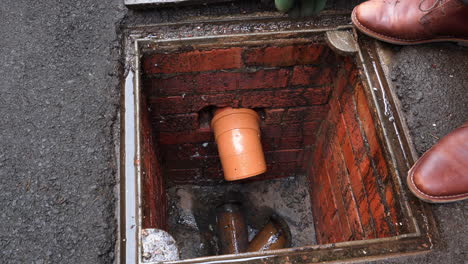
x=284 y=5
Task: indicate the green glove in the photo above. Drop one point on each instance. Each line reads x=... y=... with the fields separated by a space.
x=300 y=8
x=284 y=5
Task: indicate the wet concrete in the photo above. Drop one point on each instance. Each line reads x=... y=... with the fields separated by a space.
x=192 y=219
x=59 y=87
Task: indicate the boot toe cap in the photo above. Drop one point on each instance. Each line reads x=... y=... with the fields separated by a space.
x=375 y=19
x=365 y=16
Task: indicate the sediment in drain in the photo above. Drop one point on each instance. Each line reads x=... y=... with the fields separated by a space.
x=191 y=212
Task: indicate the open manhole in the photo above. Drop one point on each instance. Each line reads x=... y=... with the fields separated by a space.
x=335 y=147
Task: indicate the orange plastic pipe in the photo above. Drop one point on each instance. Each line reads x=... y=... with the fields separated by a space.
x=237 y=134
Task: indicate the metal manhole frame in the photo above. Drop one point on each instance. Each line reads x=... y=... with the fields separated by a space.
x=391 y=128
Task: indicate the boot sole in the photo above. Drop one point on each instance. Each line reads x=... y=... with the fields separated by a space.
x=392 y=40
x=428 y=198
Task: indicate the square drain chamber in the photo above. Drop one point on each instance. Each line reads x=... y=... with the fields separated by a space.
x=315 y=122
x=333 y=162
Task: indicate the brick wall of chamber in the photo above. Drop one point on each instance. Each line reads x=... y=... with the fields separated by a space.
x=290 y=87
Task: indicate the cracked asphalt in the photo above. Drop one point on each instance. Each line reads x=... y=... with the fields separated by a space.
x=59 y=103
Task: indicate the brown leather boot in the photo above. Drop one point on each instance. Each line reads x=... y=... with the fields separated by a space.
x=413 y=21
x=441 y=174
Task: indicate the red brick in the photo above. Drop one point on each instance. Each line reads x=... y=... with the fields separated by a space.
x=367 y=220
x=391 y=201
x=319 y=150
x=313 y=172
x=366 y=119
x=372 y=140
x=193 y=61
x=381 y=166
x=320 y=207
x=306 y=114
x=315 y=184
x=154 y=196
x=309 y=140
x=378 y=210
x=284 y=98
x=281 y=156
x=340 y=128
x=334 y=113
x=308 y=155
x=292 y=130
x=376 y=204
x=317 y=96
x=215 y=82
x=279 y=170
x=310 y=128
x=183 y=176
x=203 y=82
x=291 y=142
x=272 y=131
x=273 y=116
x=353 y=216
x=187 y=150
x=340 y=166
x=341 y=84
x=169 y=138
x=348 y=63
x=346 y=98
x=193 y=162
x=188 y=104
x=154 y=200
x=324 y=208
x=348 y=153
x=271 y=143
x=264 y=79
x=284 y=56
x=354 y=77
x=353 y=127
x=174 y=123
x=336 y=234
x=330 y=57
x=347 y=163
x=187 y=164
x=371 y=186
x=341 y=184
x=311 y=76
x=341 y=221
x=362 y=201
x=176 y=85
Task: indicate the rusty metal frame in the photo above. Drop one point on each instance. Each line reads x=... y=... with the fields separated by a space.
x=391 y=130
